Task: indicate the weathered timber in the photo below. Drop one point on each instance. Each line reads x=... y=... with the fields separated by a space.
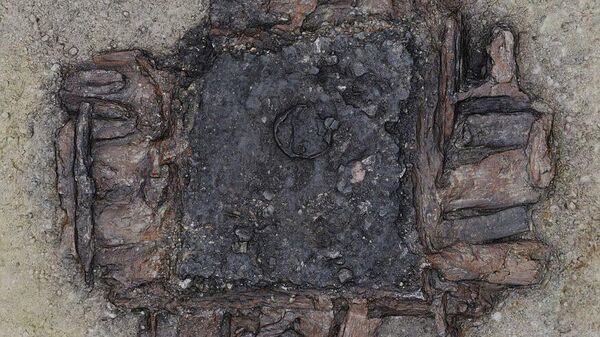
x=541 y=165
x=484 y=228
x=496 y=130
x=430 y=137
x=450 y=77
x=65 y=160
x=518 y=263
x=357 y=322
x=492 y=104
x=84 y=191
x=498 y=181
x=501 y=51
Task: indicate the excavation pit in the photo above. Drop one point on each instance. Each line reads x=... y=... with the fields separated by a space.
x=304 y=168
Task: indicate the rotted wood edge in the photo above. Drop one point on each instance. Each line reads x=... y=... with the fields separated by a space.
x=473 y=273
x=85 y=192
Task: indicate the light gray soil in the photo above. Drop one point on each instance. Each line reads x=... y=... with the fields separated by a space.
x=41 y=294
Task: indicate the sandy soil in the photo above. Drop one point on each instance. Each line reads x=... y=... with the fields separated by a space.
x=41 y=295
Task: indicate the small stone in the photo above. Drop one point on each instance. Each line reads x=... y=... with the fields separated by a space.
x=344 y=275
x=331 y=60
x=358 y=173
x=243 y=234
x=313 y=70
x=268 y=195
x=332 y=254
x=497 y=316
x=185 y=283
x=45 y=38
x=358 y=69
x=331 y=123
x=370 y=110
x=126 y=14
x=370 y=160
x=73 y=51
x=268 y=211
x=344 y=188
x=364 y=206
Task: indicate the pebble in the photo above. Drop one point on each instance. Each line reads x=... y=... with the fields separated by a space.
x=268 y=211
x=45 y=38
x=364 y=206
x=73 y=51
x=333 y=254
x=497 y=316
x=358 y=69
x=331 y=123
x=344 y=275
x=313 y=70
x=343 y=187
x=126 y=14
x=243 y=234
x=370 y=160
x=358 y=173
x=185 y=283
x=331 y=60
x=268 y=195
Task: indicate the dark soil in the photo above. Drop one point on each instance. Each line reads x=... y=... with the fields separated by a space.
x=300 y=168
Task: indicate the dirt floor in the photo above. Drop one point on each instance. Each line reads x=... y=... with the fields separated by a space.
x=41 y=295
